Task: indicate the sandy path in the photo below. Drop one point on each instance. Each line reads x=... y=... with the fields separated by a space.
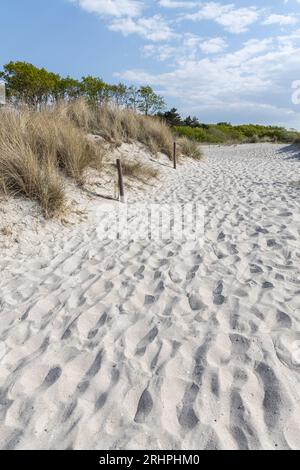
x=162 y=345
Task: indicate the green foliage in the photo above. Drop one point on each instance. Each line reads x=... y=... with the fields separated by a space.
x=226 y=133
x=26 y=83
x=133 y=98
x=67 y=89
x=36 y=87
x=192 y=122
x=150 y=102
x=94 y=89
x=171 y=117
x=119 y=94
x=30 y=85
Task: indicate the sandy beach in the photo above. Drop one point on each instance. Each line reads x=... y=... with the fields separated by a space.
x=109 y=344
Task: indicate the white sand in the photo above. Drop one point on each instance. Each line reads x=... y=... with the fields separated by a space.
x=155 y=345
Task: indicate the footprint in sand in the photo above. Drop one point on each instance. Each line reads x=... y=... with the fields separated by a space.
x=144 y=407
x=218 y=298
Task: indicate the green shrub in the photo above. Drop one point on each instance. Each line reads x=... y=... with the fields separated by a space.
x=227 y=133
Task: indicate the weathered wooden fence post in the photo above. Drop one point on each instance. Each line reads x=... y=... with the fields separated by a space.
x=174 y=156
x=121 y=181
x=2 y=94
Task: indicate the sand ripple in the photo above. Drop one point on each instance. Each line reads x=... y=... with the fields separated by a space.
x=162 y=344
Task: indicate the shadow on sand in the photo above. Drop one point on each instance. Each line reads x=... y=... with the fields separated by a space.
x=102 y=196
x=292 y=152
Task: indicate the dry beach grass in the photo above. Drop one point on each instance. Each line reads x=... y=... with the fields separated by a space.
x=118 y=125
x=190 y=147
x=22 y=171
x=38 y=150
x=139 y=170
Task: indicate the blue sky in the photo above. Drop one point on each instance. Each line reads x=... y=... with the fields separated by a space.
x=221 y=60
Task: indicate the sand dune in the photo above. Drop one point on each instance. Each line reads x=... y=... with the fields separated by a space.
x=161 y=344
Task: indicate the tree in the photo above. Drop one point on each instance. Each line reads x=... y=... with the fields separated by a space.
x=195 y=122
x=95 y=89
x=192 y=122
x=119 y=94
x=172 y=117
x=36 y=87
x=149 y=101
x=188 y=121
x=227 y=124
x=29 y=84
x=67 y=89
x=132 y=98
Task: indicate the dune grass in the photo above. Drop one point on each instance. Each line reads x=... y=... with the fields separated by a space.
x=139 y=170
x=117 y=125
x=36 y=148
x=53 y=134
x=39 y=149
x=190 y=148
x=22 y=172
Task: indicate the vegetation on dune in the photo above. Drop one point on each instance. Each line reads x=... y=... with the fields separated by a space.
x=36 y=149
x=139 y=170
x=227 y=133
x=36 y=87
x=39 y=148
x=22 y=171
x=117 y=125
x=190 y=148
x=224 y=132
x=44 y=135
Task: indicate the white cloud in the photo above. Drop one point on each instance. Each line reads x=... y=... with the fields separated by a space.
x=188 y=46
x=117 y=8
x=176 y=4
x=255 y=77
x=154 y=28
x=234 y=20
x=125 y=17
x=161 y=52
x=281 y=20
x=211 y=73
x=213 y=46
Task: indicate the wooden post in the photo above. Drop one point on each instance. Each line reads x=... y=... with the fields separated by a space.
x=121 y=181
x=2 y=94
x=174 y=156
